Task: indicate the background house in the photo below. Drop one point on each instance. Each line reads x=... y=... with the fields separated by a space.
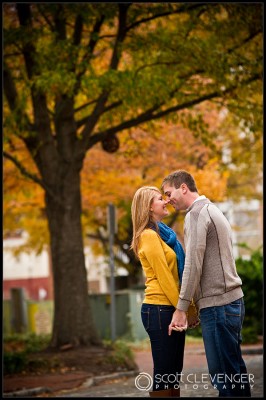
x=33 y=272
x=245 y=218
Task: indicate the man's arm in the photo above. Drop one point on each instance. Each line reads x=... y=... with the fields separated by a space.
x=191 y=275
x=195 y=237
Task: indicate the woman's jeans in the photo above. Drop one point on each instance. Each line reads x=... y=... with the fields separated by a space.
x=221 y=331
x=167 y=351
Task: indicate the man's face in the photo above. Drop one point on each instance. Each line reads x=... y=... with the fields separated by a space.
x=175 y=196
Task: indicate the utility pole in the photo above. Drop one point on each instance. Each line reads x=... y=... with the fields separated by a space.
x=111 y=223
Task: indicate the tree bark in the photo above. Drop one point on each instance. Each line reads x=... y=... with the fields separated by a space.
x=73 y=323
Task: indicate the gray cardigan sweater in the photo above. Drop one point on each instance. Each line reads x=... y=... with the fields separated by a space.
x=210 y=275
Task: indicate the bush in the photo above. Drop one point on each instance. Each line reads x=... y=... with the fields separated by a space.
x=14 y=362
x=29 y=342
x=17 y=348
x=251 y=273
x=35 y=343
x=122 y=354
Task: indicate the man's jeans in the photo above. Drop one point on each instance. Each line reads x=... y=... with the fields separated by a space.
x=167 y=351
x=221 y=331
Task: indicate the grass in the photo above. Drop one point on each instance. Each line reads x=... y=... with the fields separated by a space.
x=142 y=345
x=194 y=340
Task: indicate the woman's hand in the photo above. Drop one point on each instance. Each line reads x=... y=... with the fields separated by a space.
x=179 y=322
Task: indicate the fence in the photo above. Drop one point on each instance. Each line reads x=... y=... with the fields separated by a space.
x=36 y=317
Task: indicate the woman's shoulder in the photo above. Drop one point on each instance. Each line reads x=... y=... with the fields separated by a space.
x=149 y=233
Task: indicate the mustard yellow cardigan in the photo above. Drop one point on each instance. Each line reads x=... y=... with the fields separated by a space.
x=159 y=264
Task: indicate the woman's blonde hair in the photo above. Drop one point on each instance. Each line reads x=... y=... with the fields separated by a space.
x=140 y=213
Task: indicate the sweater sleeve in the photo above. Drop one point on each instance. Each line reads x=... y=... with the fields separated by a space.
x=195 y=233
x=152 y=250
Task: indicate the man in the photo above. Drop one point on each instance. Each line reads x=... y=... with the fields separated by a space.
x=211 y=279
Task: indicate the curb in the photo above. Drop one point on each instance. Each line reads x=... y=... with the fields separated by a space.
x=28 y=392
x=254 y=350
x=98 y=379
x=247 y=351
x=94 y=381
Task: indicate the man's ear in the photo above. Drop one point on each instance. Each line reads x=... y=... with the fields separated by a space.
x=184 y=188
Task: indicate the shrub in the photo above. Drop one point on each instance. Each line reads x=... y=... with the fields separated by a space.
x=14 y=362
x=17 y=348
x=251 y=273
x=122 y=354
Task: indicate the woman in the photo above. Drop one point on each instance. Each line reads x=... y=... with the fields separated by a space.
x=162 y=264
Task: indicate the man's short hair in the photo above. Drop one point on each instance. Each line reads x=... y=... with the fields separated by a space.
x=178 y=177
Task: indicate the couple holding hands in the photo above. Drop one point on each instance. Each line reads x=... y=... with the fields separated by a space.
x=183 y=290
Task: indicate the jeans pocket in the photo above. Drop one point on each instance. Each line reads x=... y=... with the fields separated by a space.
x=145 y=317
x=166 y=314
x=207 y=315
x=168 y=309
x=232 y=314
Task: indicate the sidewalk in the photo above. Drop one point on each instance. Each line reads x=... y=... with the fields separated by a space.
x=194 y=364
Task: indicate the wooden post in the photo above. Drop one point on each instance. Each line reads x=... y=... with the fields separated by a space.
x=112 y=230
x=19 y=321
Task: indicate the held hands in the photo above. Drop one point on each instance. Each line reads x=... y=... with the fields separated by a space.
x=182 y=320
x=179 y=322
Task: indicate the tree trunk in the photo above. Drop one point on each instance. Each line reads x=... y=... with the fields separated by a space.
x=73 y=323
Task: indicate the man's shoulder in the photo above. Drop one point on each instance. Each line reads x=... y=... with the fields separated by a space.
x=198 y=205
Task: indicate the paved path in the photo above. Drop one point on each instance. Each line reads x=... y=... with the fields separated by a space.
x=194 y=364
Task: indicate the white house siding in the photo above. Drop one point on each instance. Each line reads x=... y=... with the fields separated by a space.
x=32 y=272
x=25 y=265
x=245 y=218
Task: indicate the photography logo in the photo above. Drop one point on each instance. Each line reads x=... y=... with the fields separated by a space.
x=143 y=381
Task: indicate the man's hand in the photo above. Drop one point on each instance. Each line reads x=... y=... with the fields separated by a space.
x=193 y=321
x=179 y=321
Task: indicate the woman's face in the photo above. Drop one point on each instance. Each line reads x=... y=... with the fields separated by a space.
x=158 y=207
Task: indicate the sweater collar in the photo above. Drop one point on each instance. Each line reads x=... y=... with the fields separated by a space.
x=202 y=197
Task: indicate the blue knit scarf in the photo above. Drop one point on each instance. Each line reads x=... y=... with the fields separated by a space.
x=169 y=237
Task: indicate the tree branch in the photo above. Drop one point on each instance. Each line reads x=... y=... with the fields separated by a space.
x=77 y=35
x=84 y=106
x=23 y=170
x=31 y=176
x=107 y=108
x=28 y=50
x=60 y=22
x=182 y=8
x=87 y=57
x=82 y=145
x=121 y=34
x=150 y=115
x=10 y=88
x=11 y=94
x=41 y=11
